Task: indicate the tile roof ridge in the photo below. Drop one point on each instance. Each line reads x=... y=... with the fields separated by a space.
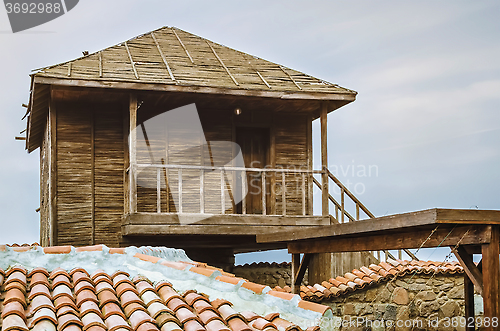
x=370 y=276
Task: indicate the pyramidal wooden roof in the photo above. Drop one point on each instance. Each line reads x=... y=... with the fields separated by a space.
x=170 y=59
x=175 y=57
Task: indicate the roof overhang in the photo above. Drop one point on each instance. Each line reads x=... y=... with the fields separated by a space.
x=41 y=87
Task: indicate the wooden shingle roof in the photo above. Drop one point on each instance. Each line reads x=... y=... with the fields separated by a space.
x=173 y=60
x=175 y=57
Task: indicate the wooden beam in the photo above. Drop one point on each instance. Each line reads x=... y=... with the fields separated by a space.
x=385 y=223
x=226 y=219
x=290 y=77
x=470 y=268
x=195 y=229
x=133 y=152
x=131 y=61
x=397 y=222
x=491 y=271
x=163 y=57
x=222 y=64
x=468 y=216
x=324 y=159
x=106 y=83
x=182 y=44
x=390 y=241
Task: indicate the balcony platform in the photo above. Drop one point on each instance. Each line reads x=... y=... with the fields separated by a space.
x=238 y=230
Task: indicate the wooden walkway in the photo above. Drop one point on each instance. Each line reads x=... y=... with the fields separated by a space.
x=466 y=232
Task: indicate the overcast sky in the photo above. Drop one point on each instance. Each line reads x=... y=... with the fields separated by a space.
x=427 y=117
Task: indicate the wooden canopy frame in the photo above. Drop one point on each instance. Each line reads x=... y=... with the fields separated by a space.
x=466 y=232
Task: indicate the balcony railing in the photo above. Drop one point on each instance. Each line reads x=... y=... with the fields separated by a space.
x=282 y=191
x=275 y=187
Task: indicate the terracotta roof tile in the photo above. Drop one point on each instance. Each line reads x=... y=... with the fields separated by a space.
x=75 y=301
x=374 y=274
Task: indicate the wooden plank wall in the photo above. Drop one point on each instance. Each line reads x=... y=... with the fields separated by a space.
x=74 y=182
x=89 y=174
x=108 y=175
x=45 y=205
x=291 y=153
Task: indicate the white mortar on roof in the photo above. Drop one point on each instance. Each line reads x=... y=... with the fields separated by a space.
x=182 y=280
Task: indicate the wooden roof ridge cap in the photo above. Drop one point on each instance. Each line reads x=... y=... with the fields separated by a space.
x=38 y=70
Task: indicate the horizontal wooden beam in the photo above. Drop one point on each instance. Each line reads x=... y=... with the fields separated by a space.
x=190 y=229
x=467 y=216
x=443 y=236
x=102 y=83
x=396 y=223
x=226 y=219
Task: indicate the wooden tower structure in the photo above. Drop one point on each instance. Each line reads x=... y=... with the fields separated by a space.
x=101 y=184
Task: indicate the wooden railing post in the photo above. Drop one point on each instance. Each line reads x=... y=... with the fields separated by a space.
x=158 y=190
x=179 y=175
x=283 y=194
x=133 y=152
x=263 y=182
x=202 y=191
x=222 y=193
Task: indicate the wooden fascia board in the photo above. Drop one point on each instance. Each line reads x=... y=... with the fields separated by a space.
x=449 y=236
x=414 y=219
x=398 y=222
x=338 y=96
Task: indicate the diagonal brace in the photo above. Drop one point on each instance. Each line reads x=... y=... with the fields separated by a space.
x=472 y=271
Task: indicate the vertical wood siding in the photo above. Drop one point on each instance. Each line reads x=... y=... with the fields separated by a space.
x=74 y=182
x=45 y=203
x=90 y=202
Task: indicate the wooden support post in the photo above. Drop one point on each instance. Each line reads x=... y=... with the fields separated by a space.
x=295 y=269
x=53 y=173
x=321 y=265
x=92 y=177
x=469 y=301
x=491 y=271
x=272 y=162
x=133 y=153
x=309 y=166
x=324 y=159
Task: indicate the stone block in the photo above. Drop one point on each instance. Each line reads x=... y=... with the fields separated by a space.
x=446 y=286
x=400 y=296
x=456 y=293
x=426 y=308
x=427 y=296
x=390 y=312
x=450 y=309
x=370 y=295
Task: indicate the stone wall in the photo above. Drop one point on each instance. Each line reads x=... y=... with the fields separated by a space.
x=408 y=303
x=418 y=302
x=270 y=274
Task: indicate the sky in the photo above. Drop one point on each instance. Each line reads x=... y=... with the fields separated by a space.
x=426 y=120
